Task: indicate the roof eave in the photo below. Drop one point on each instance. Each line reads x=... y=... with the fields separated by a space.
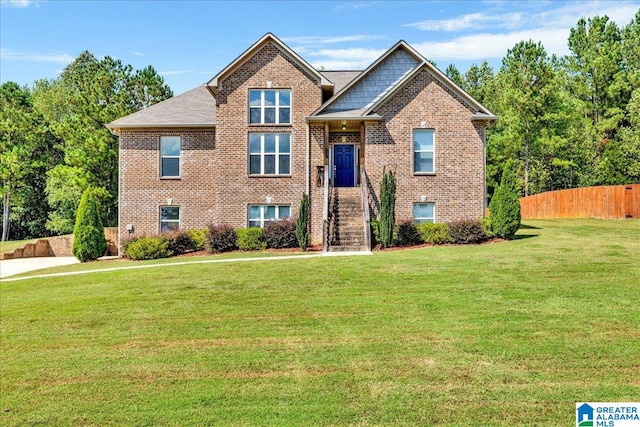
x=365 y=118
x=115 y=129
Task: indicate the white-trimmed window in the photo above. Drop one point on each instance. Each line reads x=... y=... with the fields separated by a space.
x=260 y=215
x=424 y=212
x=170 y=147
x=423 y=151
x=269 y=154
x=271 y=106
x=169 y=218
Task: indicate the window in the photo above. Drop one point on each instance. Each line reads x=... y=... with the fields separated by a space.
x=423 y=151
x=170 y=156
x=169 y=218
x=260 y=215
x=269 y=154
x=424 y=212
x=270 y=106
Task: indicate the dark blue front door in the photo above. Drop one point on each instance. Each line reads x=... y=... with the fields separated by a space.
x=344 y=164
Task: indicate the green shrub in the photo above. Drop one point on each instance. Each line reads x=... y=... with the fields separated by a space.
x=280 y=234
x=220 y=238
x=375 y=231
x=89 y=242
x=147 y=247
x=504 y=209
x=437 y=234
x=466 y=231
x=387 y=222
x=251 y=239
x=197 y=239
x=302 y=225
x=407 y=233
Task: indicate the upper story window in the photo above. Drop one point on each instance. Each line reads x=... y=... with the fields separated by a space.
x=170 y=147
x=423 y=151
x=270 y=106
x=269 y=154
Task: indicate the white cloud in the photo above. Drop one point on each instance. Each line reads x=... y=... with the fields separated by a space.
x=344 y=59
x=173 y=73
x=472 y=21
x=541 y=22
x=320 y=40
x=18 y=3
x=488 y=46
x=138 y=54
x=14 y=55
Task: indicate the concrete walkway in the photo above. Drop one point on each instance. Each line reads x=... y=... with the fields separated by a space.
x=11 y=267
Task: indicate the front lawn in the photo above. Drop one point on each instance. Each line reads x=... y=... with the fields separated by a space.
x=503 y=334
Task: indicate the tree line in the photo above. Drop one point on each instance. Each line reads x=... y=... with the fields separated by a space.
x=565 y=122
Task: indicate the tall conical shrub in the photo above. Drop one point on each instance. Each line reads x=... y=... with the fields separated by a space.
x=387 y=208
x=302 y=223
x=89 y=242
x=504 y=208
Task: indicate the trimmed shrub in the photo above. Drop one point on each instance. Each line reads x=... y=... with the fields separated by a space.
x=148 y=247
x=466 y=231
x=504 y=209
x=407 y=233
x=89 y=242
x=179 y=242
x=387 y=208
x=302 y=225
x=220 y=238
x=437 y=234
x=197 y=239
x=251 y=239
x=280 y=234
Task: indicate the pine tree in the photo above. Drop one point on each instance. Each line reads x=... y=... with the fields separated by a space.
x=504 y=208
x=302 y=223
x=89 y=242
x=387 y=208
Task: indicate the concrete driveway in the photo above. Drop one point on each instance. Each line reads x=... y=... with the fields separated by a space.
x=10 y=267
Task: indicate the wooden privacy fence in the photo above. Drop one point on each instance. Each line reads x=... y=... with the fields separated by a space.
x=606 y=201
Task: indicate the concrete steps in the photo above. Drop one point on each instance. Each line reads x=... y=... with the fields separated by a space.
x=348 y=227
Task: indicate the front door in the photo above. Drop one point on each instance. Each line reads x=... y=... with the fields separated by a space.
x=343 y=162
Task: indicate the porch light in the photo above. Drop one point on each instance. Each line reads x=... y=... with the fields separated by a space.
x=344 y=125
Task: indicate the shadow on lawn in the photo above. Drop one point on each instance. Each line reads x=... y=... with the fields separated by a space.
x=526 y=236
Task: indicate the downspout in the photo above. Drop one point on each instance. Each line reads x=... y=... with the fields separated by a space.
x=484 y=171
x=119 y=189
x=308 y=160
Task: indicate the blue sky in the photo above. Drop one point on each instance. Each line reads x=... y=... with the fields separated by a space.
x=188 y=42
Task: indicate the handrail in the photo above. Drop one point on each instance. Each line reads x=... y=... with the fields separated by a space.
x=364 y=180
x=325 y=212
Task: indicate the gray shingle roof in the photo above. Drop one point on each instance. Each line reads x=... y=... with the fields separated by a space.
x=340 y=78
x=194 y=108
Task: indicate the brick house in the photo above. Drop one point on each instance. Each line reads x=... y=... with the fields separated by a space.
x=243 y=148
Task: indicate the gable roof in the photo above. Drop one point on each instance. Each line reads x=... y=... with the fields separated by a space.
x=396 y=79
x=194 y=108
x=268 y=38
x=340 y=78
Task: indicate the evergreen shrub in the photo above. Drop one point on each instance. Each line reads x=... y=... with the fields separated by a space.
x=437 y=234
x=89 y=242
x=251 y=239
x=302 y=223
x=147 y=247
x=504 y=208
x=407 y=233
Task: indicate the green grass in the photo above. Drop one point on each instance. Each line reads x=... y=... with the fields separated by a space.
x=10 y=245
x=508 y=334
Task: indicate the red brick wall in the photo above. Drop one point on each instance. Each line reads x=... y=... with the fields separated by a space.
x=457 y=186
x=215 y=186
